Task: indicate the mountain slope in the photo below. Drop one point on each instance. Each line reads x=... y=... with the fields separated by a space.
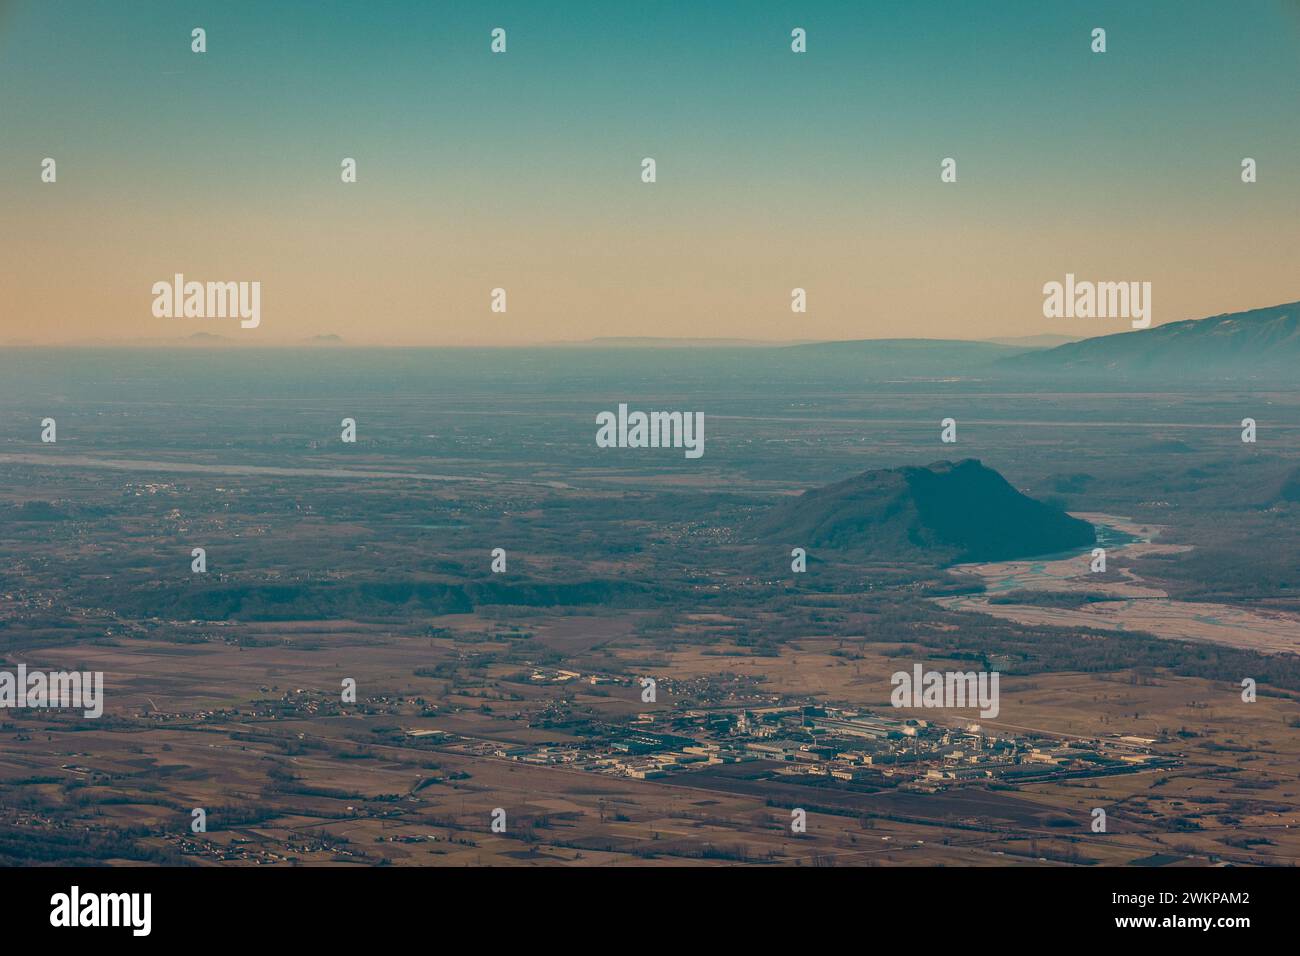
x=1258 y=343
x=942 y=513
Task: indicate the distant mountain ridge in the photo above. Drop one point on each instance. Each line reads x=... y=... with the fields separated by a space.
x=668 y=342
x=1257 y=343
x=891 y=359
x=1045 y=341
x=942 y=513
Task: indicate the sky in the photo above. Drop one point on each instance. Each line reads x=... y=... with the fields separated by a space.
x=522 y=170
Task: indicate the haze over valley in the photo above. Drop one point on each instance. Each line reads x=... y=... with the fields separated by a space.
x=487 y=681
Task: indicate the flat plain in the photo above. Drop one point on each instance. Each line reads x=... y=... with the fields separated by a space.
x=520 y=691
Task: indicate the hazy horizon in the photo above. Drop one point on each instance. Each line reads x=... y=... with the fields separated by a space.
x=328 y=340
x=774 y=170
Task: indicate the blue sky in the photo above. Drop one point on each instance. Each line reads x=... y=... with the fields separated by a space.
x=760 y=150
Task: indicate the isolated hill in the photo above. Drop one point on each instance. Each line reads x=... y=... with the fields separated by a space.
x=1254 y=344
x=943 y=513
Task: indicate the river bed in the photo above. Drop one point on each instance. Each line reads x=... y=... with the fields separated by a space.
x=1135 y=605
